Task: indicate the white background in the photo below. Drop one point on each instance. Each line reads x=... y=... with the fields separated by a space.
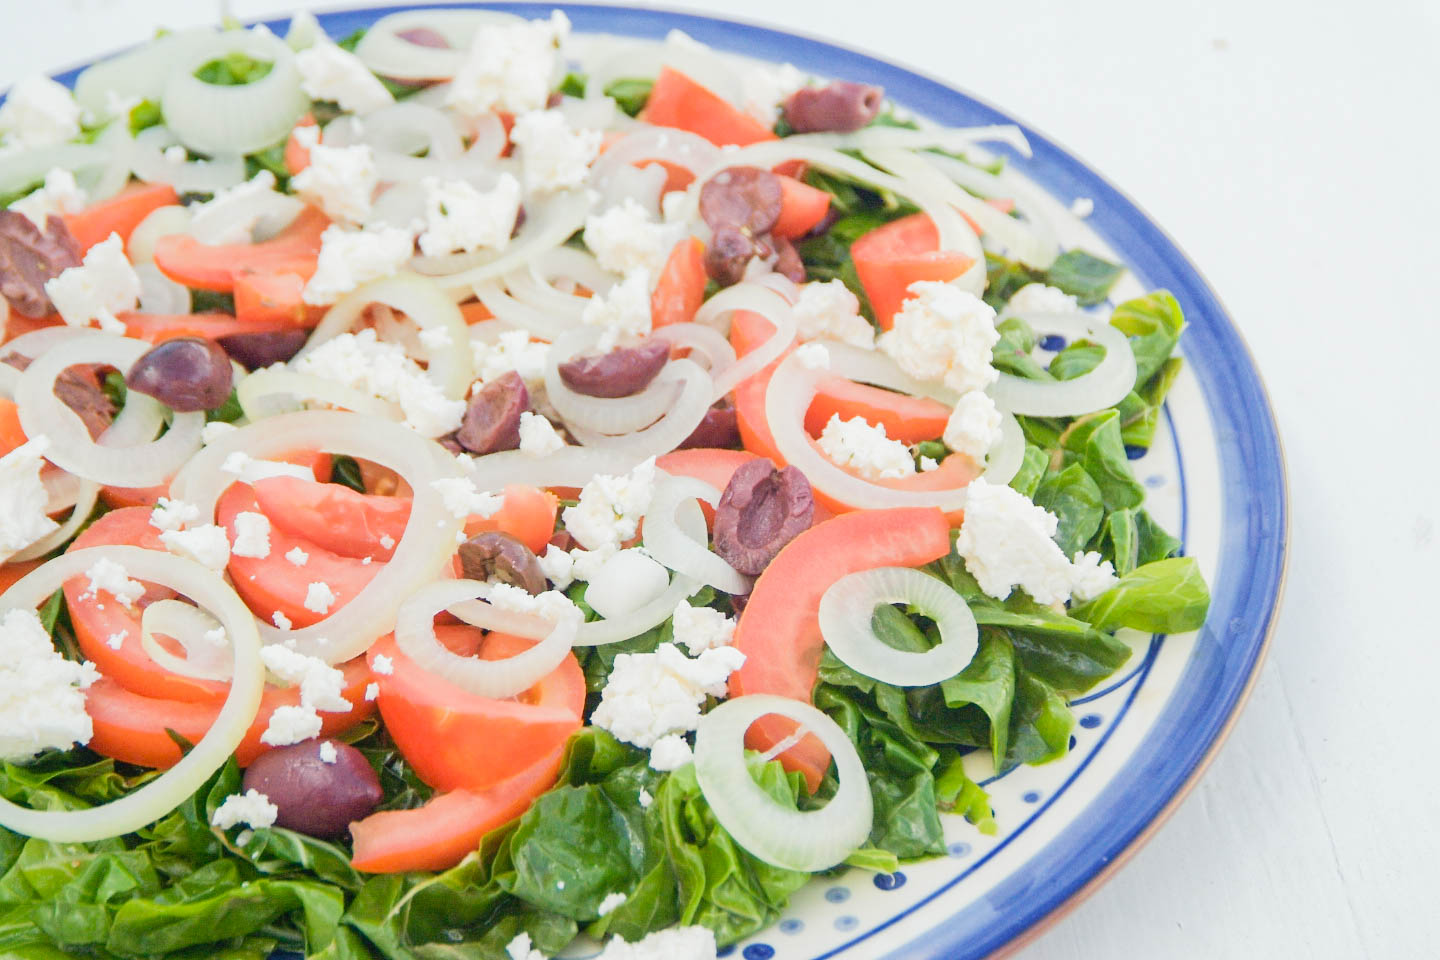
x=1291 y=149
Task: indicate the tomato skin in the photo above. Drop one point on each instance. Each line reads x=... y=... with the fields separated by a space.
x=457 y=740
x=12 y=434
x=334 y=517
x=297 y=156
x=120 y=214
x=440 y=834
x=295 y=250
x=890 y=258
x=157 y=328
x=678 y=101
x=528 y=515
x=779 y=630
x=715 y=467
x=681 y=288
x=131 y=727
x=801 y=208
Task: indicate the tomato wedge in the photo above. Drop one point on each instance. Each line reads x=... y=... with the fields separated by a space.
x=12 y=435
x=274 y=298
x=157 y=328
x=457 y=740
x=678 y=101
x=528 y=515
x=681 y=288
x=890 y=258
x=440 y=834
x=294 y=250
x=11 y=573
x=297 y=156
x=334 y=517
x=131 y=727
x=801 y=208
x=779 y=630
x=120 y=214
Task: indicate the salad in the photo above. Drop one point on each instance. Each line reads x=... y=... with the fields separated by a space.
x=467 y=486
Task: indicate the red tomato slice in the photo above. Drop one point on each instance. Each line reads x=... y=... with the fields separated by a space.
x=779 y=630
x=678 y=101
x=440 y=834
x=528 y=516
x=715 y=467
x=131 y=727
x=294 y=250
x=12 y=435
x=120 y=214
x=11 y=573
x=456 y=740
x=274 y=298
x=297 y=157
x=334 y=517
x=890 y=258
x=157 y=328
x=681 y=288
x=801 y=208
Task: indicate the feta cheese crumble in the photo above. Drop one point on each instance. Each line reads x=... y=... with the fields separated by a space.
x=557 y=566
x=340 y=181
x=624 y=311
x=362 y=362
x=675 y=943
x=610 y=508
x=281 y=621
x=553 y=155
x=1006 y=541
x=321 y=685
x=509 y=66
x=42 y=699
x=231 y=215
x=173 y=514
x=38 y=112
x=103 y=285
x=698 y=629
x=812 y=356
x=520 y=949
x=944 y=333
x=460 y=217
x=328 y=72
x=383 y=665
x=328 y=753
x=1040 y=298
x=105 y=574
x=512 y=350
x=928 y=463
x=23 y=498
x=372 y=691
x=764 y=88
x=292 y=724
x=117 y=640
x=207 y=545
x=251 y=808
x=252 y=535
x=670 y=752
x=297 y=557
x=319 y=598
x=60 y=195
x=650 y=695
x=537 y=435
x=974 y=425
x=352 y=258
x=830 y=311
x=463 y=500
x=612 y=902
x=247 y=469
x=625 y=238
x=864 y=448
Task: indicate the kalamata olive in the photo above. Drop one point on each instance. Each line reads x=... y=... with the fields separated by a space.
x=619 y=373
x=730 y=250
x=314 y=797
x=502 y=557
x=718 y=428
x=492 y=420
x=840 y=107
x=29 y=257
x=186 y=374
x=788 y=262
x=424 y=37
x=255 y=350
x=747 y=198
x=761 y=510
x=78 y=387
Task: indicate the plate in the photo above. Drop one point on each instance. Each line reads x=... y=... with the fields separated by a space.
x=1215 y=475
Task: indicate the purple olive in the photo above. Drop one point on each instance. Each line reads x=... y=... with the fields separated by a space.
x=314 y=797
x=761 y=510
x=787 y=260
x=492 y=420
x=839 y=107
x=620 y=373
x=187 y=374
x=255 y=350
x=499 y=556
x=731 y=249
x=718 y=428
x=747 y=198
x=29 y=257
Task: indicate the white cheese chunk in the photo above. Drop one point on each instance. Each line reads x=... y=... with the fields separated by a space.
x=623 y=312
x=23 y=498
x=512 y=350
x=537 y=435
x=207 y=545
x=339 y=180
x=670 y=752
x=252 y=535
x=509 y=66
x=251 y=808
x=974 y=425
x=650 y=695
x=1039 y=298
x=362 y=362
x=764 y=88
x=297 y=556
x=328 y=72
x=945 y=334
x=553 y=155
x=60 y=195
x=38 y=112
x=173 y=514
x=352 y=258
x=864 y=448
x=458 y=217
x=321 y=685
x=42 y=698
x=319 y=598
x=328 y=753
x=830 y=311
x=231 y=215
x=698 y=629
x=292 y=724
x=626 y=238
x=557 y=566
x=463 y=500
x=610 y=508
x=674 y=943
x=107 y=575
x=104 y=285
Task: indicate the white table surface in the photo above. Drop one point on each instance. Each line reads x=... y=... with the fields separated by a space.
x=1287 y=147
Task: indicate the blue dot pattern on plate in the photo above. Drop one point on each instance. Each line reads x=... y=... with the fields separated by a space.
x=1155 y=481
x=837 y=894
x=791 y=925
x=758 y=951
x=725 y=951
x=958 y=849
x=1031 y=797
x=890 y=881
x=1052 y=342
x=847 y=922
x=1133 y=452
x=1090 y=721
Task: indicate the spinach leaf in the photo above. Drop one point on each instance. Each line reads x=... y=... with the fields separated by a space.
x=1040 y=722
x=1084 y=276
x=1153 y=323
x=1076 y=360
x=346 y=472
x=233 y=70
x=1165 y=596
x=988 y=682
x=1032 y=469
x=1075 y=500
x=574 y=84
x=630 y=94
x=1094 y=440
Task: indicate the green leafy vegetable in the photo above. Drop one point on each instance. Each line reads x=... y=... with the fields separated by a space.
x=1084 y=276
x=233 y=70
x=1166 y=596
x=630 y=93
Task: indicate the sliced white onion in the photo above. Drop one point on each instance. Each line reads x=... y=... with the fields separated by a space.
x=186 y=625
x=548 y=224
x=159 y=294
x=23 y=169
x=953 y=139
x=276 y=390
x=400 y=133
x=704 y=342
x=400 y=205
x=1102 y=387
x=621 y=170
x=678 y=423
x=390 y=55
x=788 y=396
x=427 y=307
x=118 y=144
x=605 y=415
x=529 y=290
x=538 y=321
x=642 y=59
x=759 y=299
x=877 y=368
x=1005 y=458
x=569 y=466
x=576 y=266
x=393 y=329
x=135 y=464
x=36 y=342
x=229 y=120
x=157 y=798
x=848 y=606
x=687 y=555
x=147 y=159
x=1016 y=237
x=496 y=679
x=1027 y=201
x=423 y=552
x=792 y=839
x=139 y=73
x=161 y=222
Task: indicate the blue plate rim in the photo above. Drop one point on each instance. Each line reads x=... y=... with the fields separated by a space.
x=1253 y=480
